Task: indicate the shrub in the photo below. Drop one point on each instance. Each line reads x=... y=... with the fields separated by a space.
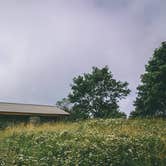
x=97 y=142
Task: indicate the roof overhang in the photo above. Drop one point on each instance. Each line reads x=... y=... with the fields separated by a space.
x=31 y=114
x=30 y=110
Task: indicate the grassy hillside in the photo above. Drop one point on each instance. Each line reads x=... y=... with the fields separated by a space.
x=96 y=142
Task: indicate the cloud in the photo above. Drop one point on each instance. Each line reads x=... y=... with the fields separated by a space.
x=44 y=44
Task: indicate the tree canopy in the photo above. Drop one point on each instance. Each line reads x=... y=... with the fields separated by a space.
x=151 y=97
x=96 y=95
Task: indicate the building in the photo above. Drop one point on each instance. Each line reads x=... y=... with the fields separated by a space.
x=30 y=111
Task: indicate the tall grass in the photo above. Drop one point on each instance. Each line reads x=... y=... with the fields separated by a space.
x=92 y=142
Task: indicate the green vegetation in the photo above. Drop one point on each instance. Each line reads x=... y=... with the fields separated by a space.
x=151 y=98
x=95 y=94
x=95 y=142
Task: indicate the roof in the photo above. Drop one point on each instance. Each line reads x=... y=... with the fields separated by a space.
x=30 y=109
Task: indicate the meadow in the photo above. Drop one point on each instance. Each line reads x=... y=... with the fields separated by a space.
x=115 y=142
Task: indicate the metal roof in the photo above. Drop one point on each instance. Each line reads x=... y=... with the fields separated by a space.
x=30 y=109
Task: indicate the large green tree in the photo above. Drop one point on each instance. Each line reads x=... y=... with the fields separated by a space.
x=151 y=98
x=97 y=94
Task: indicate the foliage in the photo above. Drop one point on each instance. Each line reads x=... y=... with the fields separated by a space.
x=64 y=104
x=96 y=95
x=151 y=99
x=96 y=142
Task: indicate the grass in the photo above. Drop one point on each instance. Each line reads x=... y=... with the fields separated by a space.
x=94 y=142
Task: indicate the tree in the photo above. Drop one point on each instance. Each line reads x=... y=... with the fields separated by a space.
x=97 y=94
x=151 y=97
x=64 y=104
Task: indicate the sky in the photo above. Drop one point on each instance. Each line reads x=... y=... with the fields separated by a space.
x=45 y=43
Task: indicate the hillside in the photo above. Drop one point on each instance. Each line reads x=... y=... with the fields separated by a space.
x=95 y=142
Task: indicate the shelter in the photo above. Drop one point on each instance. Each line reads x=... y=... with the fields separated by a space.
x=22 y=111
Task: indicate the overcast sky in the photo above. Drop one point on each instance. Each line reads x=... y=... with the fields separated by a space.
x=45 y=43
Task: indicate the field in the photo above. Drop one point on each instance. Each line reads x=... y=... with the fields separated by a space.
x=99 y=142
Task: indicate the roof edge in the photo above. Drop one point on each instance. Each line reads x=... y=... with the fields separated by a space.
x=28 y=104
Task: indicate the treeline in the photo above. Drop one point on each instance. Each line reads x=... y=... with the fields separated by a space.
x=97 y=94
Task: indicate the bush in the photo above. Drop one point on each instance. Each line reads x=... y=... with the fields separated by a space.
x=97 y=142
